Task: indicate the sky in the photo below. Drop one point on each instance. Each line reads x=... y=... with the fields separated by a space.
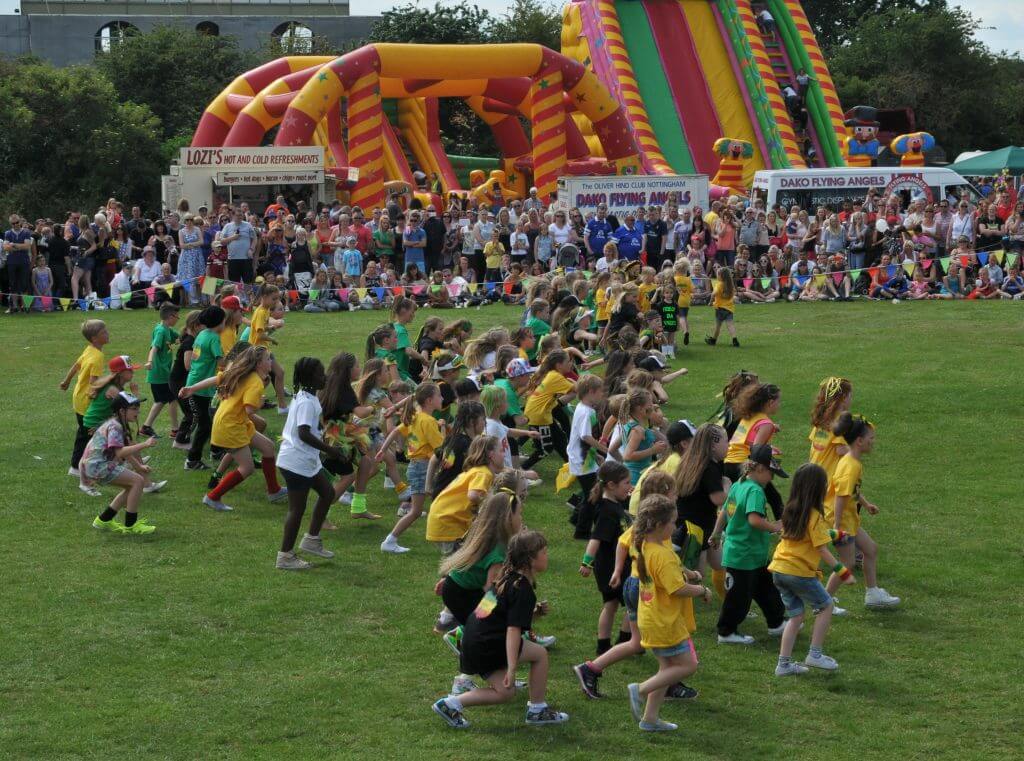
x=1004 y=17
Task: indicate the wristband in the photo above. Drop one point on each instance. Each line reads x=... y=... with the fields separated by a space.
x=842 y=571
x=837 y=535
x=588 y=560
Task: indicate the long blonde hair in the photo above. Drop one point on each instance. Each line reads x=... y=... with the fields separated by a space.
x=697 y=457
x=244 y=364
x=653 y=513
x=492 y=526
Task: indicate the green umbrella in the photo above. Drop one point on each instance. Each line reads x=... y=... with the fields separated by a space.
x=992 y=163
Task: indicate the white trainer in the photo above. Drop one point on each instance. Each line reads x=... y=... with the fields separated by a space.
x=90 y=490
x=345 y=498
x=154 y=487
x=278 y=495
x=879 y=598
x=314 y=545
x=74 y=472
x=790 y=669
x=735 y=639
x=289 y=561
x=823 y=662
x=393 y=547
x=216 y=504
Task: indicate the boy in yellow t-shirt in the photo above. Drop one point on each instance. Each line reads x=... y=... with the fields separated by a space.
x=89 y=366
x=553 y=388
x=493 y=251
x=646 y=287
x=723 y=299
x=842 y=512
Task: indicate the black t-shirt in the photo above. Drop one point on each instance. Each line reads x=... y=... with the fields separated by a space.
x=428 y=346
x=178 y=371
x=302 y=260
x=628 y=314
x=669 y=315
x=513 y=606
x=453 y=455
x=653 y=233
x=84 y=244
x=698 y=507
x=610 y=518
x=57 y=250
x=140 y=235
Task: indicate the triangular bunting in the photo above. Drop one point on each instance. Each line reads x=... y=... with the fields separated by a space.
x=891 y=271
x=343 y=294
x=926 y=263
x=964 y=261
x=83 y=304
x=819 y=280
x=418 y=290
x=783 y=280
x=801 y=280
x=508 y=287
x=909 y=267
x=1011 y=259
x=150 y=293
x=855 y=274
x=873 y=271
x=314 y=294
x=209 y=286
x=65 y=303
x=747 y=282
x=435 y=288
x=766 y=283
x=293 y=296
x=398 y=290
x=490 y=287
x=361 y=293
x=983 y=259
x=999 y=255
x=837 y=277
x=168 y=289
x=47 y=303
x=944 y=263
x=473 y=287
x=379 y=292
x=27 y=301
x=453 y=289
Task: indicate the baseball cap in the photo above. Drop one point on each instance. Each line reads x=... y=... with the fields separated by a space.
x=121 y=363
x=124 y=400
x=452 y=364
x=680 y=431
x=517 y=368
x=762 y=455
x=230 y=302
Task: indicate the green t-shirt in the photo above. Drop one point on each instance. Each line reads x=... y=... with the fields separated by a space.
x=401 y=358
x=515 y=407
x=163 y=338
x=745 y=547
x=540 y=329
x=99 y=409
x=205 y=352
x=475 y=576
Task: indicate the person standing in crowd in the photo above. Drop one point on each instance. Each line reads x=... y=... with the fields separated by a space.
x=435 y=231
x=240 y=238
x=655 y=230
x=629 y=238
x=414 y=241
x=19 y=248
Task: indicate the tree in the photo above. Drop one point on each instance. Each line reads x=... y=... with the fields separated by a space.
x=454 y=23
x=836 y=22
x=929 y=60
x=66 y=142
x=528 y=21
x=175 y=71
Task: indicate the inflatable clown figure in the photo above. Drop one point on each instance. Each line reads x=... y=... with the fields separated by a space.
x=912 y=147
x=861 y=144
x=735 y=155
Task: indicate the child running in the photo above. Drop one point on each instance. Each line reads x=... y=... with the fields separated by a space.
x=88 y=367
x=641 y=441
x=661 y=617
x=723 y=299
x=794 y=567
x=584 y=434
x=299 y=463
x=110 y=457
x=548 y=388
x=493 y=644
x=842 y=511
x=422 y=434
x=833 y=399
x=262 y=324
x=158 y=364
x=206 y=360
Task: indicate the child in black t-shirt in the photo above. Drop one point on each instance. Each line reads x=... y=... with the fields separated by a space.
x=666 y=304
x=493 y=644
x=610 y=510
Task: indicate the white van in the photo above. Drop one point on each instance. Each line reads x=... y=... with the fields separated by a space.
x=811 y=188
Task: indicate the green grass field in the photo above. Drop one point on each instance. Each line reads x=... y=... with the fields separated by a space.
x=188 y=644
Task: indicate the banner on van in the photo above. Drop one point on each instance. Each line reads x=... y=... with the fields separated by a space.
x=622 y=194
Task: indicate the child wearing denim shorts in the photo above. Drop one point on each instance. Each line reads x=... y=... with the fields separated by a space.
x=794 y=568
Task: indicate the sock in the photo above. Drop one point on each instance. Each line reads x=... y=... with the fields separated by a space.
x=815 y=652
x=624 y=636
x=603 y=645
x=130 y=518
x=454 y=703
x=108 y=515
x=358 y=504
x=390 y=539
x=590 y=665
x=229 y=482
x=400 y=487
x=718 y=581
x=535 y=707
x=269 y=466
x=686 y=339
x=784 y=660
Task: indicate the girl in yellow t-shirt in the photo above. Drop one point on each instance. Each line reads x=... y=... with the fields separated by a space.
x=833 y=399
x=842 y=512
x=548 y=388
x=753 y=407
x=723 y=299
x=804 y=545
x=237 y=426
x=684 y=285
x=422 y=433
x=262 y=324
x=603 y=309
x=660 y=614
x=453 y=509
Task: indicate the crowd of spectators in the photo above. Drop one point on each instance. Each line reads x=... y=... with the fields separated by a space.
x=338 y=257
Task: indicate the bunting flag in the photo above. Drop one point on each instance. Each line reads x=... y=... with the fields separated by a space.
x=343 y=294
x=783 y=280
x=435 y=288
x=1011 y=259
x=314 y=294
x=27 y=301
x=361 y=293
x=999 y=255
x=766 y=283
x=293 y=296
x=747 y=282
x=150 y=293
x=106 y=302
x=65 y=303
x=508 y=289
x=837 y=277
x=983 y=259
x=873 y=271
x=398 y=290
x=473 y=287
x=490 y=287
x=210 y=285
x=819 y=280
x=47 y=303
x=168 y=289
x=855 y=274
x=801 y=280
x=964 y=261
x=909 y=267
x=944 y=263
x=83 y=304
x=891 y=271
x=379 y=292
x=418 y=290
x=453 y=289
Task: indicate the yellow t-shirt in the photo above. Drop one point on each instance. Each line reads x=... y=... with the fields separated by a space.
x=739 y=448
x=824 y=446
x=799 y=557
x=718 y=301
x=544 y=398
x=601 y=302
x=660 y=617
x=684 y=284
x=670 y=466
x=845 y=483
x=258 y=327
x=643 y=297
x=492 y=254
x=422 y=436
x=450 y=513
x=90 y=365
x=232 y=428
x=228 y=338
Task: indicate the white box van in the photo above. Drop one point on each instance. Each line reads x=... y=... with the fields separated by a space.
x=811 y=188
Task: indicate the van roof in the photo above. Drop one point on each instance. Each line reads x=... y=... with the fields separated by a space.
x=843 y=170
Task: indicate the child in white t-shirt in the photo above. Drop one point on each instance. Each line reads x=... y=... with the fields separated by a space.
x=495 y=403
x=584 y=446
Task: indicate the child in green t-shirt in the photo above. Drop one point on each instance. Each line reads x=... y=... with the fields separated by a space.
x=158 y=366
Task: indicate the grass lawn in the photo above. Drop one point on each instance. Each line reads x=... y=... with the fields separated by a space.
x=188 y=644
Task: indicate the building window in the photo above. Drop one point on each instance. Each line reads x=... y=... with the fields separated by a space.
x=208 y=28
x=109 y=35
x=294 y=37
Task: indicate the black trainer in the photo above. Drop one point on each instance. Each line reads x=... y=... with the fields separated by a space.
x=452 y=718
x=213 y=482
x=680 y=691
x=588 y=681
x=546 y=715
x=196 y=465
x=148 y=432
x=710 y=341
